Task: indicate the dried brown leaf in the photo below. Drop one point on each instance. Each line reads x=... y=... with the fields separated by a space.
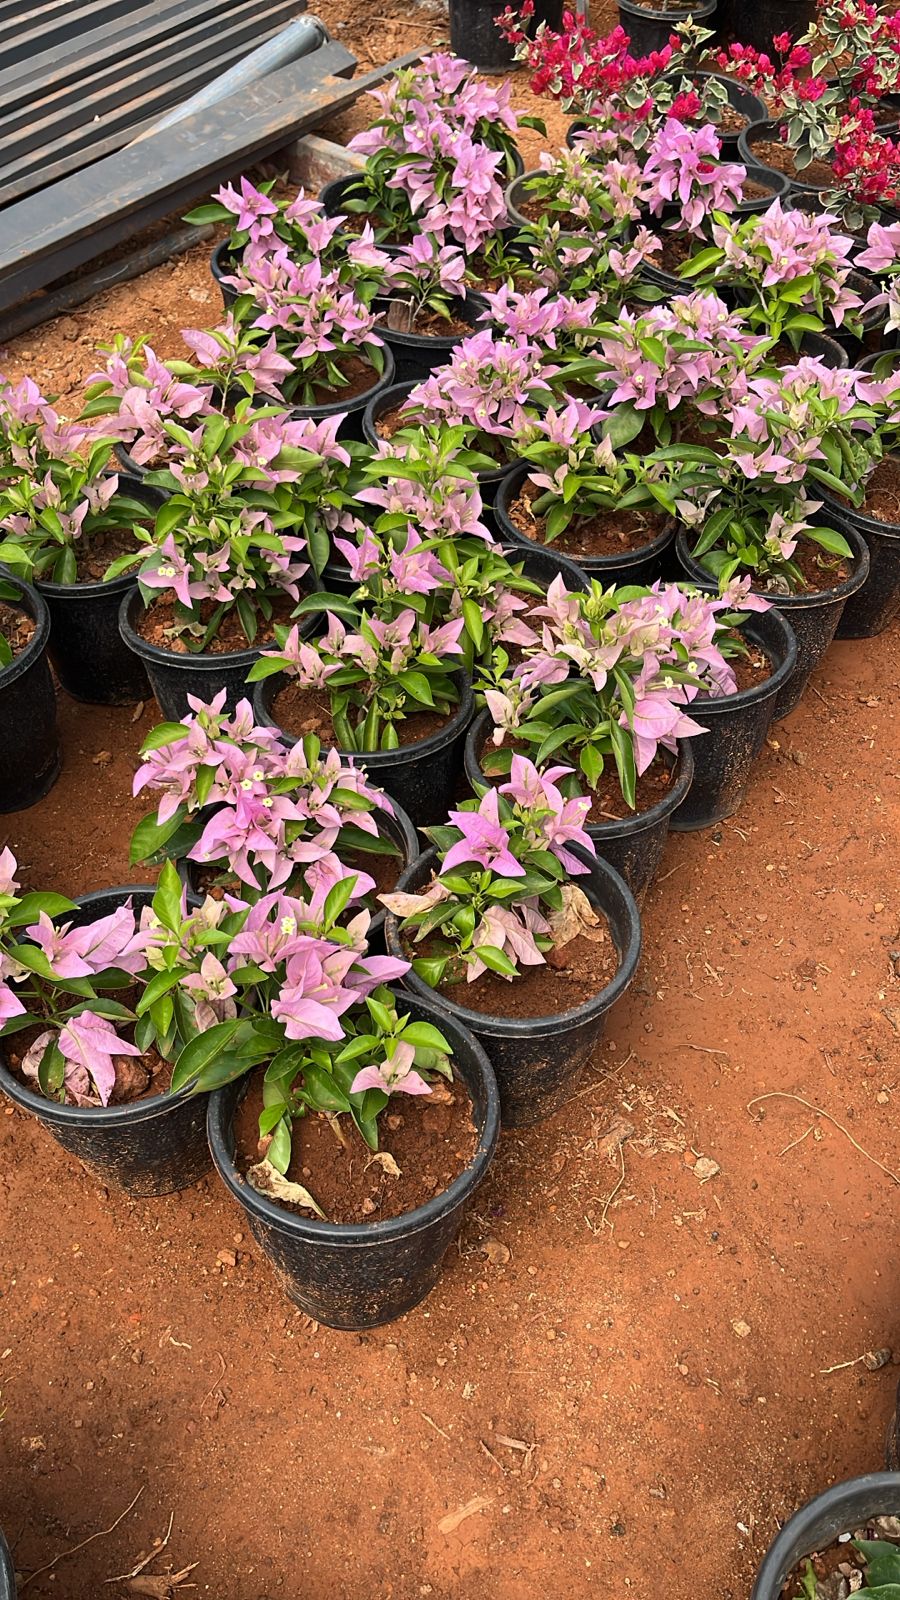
x=452 y=1521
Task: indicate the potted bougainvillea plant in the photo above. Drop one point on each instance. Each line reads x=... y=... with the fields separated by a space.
x=522 y=934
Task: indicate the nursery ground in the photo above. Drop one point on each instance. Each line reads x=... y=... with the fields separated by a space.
x=621 y=1380
x=638 y=1359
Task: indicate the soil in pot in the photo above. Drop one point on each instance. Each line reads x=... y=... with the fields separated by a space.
x=17 y=628
x=608 y=804
x=772 y=153
x=426 y=323
x=298 y=710
x=137 y=1077
x=432 y=1139
x=572 y=975
x=882 y=494
x=359 y=375
x=820 y=570
x=676 y=248
x=605 y=534
x=104 y=548
x=158 y=626
x=209 y=878
x=842 y=1561
x=753 y=667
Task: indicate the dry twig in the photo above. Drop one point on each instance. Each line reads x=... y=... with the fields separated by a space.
x=157 y=1550
x=101 y=1534
x=782 y=1094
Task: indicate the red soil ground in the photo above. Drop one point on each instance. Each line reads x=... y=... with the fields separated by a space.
x=623 y=1378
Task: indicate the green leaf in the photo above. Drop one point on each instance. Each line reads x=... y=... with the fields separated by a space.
x=202 y=1053
x=426 y=1036
x=321 y=1091
x=28 y=955
x=279 y=1151
x=151 y=836
x=159 y=985
x=497 y=960
x=416 y=684
x=381 y=1016
x=168 y=898
x=882 y=1561
x=338 y=898
x=830 y=540
x=208 y=213
x=31 y=905
x=51 y=1070
x=163 y=733
x=474 y=622
x=430 y=969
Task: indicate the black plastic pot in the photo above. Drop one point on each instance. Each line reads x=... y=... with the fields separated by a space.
x=28 y=735
x=633 y=845
x=92 y=662
x=221 y=264
x=538 y=1060
x=397 y=827
x=881 y=363
x=475 y=37
x=421 y=777
x=838 y=1510
x=352 y=410
x=392 y=399
x=632 y=566
x=758 y=24
x=769 y=128
x=877 y=603
x=149 y=1147
x=174 y=676
x=825 y=348
x=516 y=194
x=736 y=726
x=417 y=354
x=7 y=1572
x=360 y=1275
x=813 y=617
x=777 y=183
x=649 y=29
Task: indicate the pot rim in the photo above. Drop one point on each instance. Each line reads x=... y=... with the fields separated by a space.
x=94 y=588
x=368 y=1234
x=461 y=305
x=703 y=8
x=32 y=602
x=859 y=518
x=358 y=402
x=780 y=1556
x=721 y=704
x=395 y=395
x=53 y=1111
x=764 y=127
x=593 y=565
x=406 y=755
x=637 y=821
x=206 y=661
x=485 y=1022
x=788 y=602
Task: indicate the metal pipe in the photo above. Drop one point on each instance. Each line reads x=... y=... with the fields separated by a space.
x=300 y=38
